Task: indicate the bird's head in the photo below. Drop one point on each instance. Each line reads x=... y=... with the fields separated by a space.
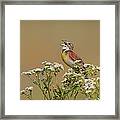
x=66 y=45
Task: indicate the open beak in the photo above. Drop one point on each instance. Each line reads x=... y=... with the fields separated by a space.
x=62 y=44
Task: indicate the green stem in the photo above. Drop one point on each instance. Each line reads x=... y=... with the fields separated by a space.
x=38 y=77
x=38 y=83
x=27 y=96
x=31 y=94
x=49 y=91
x=66 y=95
x=76 y=95
x=43 y=92
x=90 y=96
x=72 y=93
x=49 y=80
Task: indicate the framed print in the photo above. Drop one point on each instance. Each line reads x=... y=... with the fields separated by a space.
x=60 y=60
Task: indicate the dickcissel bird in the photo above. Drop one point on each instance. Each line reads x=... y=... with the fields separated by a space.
x=68 y=55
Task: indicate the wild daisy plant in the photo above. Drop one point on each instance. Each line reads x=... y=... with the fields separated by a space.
x=43 y=77
x=79 y=81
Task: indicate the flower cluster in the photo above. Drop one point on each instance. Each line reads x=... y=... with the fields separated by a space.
x=48 y=67
x=91 y=71
x=43 y=77
x=89 y=84
x=70 y=86
x=71 y=79
x=27 y=92
x=81 y=80
x=54 y=68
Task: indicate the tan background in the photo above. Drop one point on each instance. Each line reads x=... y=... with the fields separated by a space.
x=40 y=41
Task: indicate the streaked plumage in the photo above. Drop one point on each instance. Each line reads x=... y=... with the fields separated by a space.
x=68 y=55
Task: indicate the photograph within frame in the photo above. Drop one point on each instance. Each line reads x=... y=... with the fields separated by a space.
x=73 y=43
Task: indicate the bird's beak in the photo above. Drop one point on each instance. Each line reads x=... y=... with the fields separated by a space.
x=62 y=45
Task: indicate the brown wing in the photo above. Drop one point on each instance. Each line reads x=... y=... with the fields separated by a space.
x=73 y=56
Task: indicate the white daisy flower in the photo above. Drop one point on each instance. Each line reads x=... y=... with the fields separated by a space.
x=22 y=92
x=64 y=80
x=26 y=88
x=48 y=63
x=26 y=73
x=88 y=91
x=70 y=70
x=51 y=69
x=89 y=84
x=30 y=88
x=43 y=63
x=86 y=65
x=97 y=67
x=56 y=65
x=38 y=70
